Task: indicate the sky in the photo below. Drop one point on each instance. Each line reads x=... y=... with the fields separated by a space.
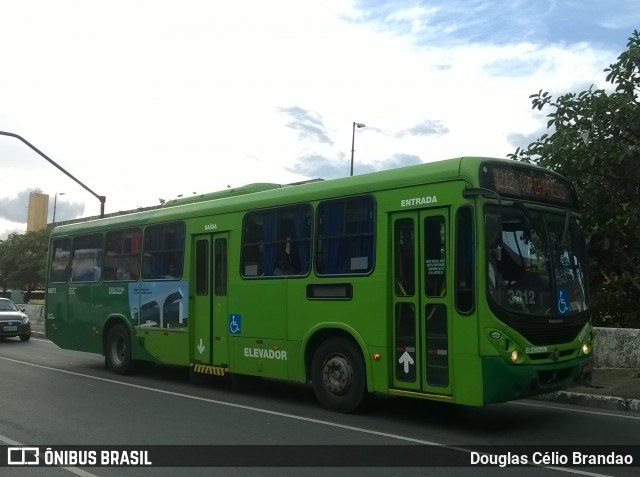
x=149 y=100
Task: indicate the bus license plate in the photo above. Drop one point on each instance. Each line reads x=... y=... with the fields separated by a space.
x=10 y=328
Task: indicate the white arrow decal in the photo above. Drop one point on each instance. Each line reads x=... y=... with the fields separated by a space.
x=201 y=347
x=407 y=360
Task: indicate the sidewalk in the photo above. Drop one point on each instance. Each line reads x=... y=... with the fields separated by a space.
x=611 y=388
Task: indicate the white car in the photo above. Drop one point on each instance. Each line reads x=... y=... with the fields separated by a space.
x=13 y=321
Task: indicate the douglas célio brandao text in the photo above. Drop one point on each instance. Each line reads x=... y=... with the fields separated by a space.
x=574 y=458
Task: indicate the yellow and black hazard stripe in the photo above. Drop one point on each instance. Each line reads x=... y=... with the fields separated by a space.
x=209 y=369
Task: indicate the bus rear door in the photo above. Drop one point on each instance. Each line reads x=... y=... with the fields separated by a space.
x=422 y=303
x=209 y=299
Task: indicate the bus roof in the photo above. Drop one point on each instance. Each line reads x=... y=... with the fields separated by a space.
x=232 y=192
x=247 y=189
x=260 y=195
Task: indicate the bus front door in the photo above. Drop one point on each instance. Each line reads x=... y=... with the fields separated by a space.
x=209 y=299
x=421 y=302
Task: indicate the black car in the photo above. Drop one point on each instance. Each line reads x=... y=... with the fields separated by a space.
x=13 y=321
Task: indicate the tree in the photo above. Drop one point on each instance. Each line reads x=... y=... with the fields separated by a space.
x=594 y=140
x=4 y=266
x=23 y=260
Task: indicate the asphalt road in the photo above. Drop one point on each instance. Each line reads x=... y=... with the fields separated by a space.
x=53 y=397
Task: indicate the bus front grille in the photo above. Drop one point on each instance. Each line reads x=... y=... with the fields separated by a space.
x=551 y=334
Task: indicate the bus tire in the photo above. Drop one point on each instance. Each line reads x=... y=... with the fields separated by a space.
x=338 y=375
x=118 y=349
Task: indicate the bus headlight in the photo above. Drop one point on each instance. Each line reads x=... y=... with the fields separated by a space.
x=515 y=356
x=586 y=348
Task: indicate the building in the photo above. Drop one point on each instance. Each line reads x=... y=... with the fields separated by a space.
x=38 y=211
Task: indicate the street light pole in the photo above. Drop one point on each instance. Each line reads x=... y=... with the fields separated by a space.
x=101 y=198
x=55 y=204
x=353 y=140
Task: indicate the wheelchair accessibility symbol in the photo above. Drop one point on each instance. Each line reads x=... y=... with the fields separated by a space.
x=235 y=324
x=562 y=302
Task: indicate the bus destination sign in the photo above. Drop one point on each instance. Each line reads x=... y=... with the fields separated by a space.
x=528 y=184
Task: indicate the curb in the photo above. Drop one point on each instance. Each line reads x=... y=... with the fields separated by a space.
x=593 y=400
x=37 y=328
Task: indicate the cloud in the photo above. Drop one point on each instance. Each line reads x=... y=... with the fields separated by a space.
x=520 y=140
x=308 y=124
x=465 y=22
x=67 y=210
x=322 y=167
x=397 y=160
x=427 y=127
x=16 y=208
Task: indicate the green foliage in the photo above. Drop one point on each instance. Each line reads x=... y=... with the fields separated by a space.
x=594 y=140
x=23 y=260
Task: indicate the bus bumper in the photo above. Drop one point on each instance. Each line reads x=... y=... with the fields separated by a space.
x=504 y=382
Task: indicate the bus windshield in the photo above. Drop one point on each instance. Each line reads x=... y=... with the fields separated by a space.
x=536 y=262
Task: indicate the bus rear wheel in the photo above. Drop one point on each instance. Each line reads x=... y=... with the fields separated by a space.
x=118 y=349
x=338 y=375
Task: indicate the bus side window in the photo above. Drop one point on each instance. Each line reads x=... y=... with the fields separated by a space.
x=122 y=256
x=268 y=237
x=345 y=236
x=163 y=254
x=86 y=261
x=61 y=251
x=251 y=245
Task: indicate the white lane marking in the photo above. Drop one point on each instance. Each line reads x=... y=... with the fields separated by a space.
x=288 y=416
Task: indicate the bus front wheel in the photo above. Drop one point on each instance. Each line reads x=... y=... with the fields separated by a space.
x=338 y=375
x=118 y=349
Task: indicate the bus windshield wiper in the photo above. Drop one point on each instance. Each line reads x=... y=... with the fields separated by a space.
x=567 y=217
x=529 y=217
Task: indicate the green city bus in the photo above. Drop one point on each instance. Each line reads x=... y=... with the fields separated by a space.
x=462 y=280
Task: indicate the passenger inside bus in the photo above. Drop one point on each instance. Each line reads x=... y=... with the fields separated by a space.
x=171 y=272
x=284 y=266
